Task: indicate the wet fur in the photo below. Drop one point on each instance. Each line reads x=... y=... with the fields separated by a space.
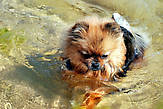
x=87 y=41
x=95 y=36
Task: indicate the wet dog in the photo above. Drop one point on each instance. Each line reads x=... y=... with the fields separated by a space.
x=101 y=50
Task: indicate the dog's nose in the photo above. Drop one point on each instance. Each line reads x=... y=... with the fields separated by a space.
x=95 y=66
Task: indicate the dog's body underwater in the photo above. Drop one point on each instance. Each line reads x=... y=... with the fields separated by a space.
x=98 y=50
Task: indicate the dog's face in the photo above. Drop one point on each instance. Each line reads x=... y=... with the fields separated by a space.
x=93 y=44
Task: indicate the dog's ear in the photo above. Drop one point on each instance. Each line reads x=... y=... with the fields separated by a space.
x=78 y=29
x=113 y=28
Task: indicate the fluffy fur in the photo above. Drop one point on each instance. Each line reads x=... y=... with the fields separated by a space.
x=95 y=39
x=101 y=50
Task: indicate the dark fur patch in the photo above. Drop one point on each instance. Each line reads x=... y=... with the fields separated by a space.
x=69 y=65
x=77 y=29
x=113 y=27
x=80 y=26
x=132 y=50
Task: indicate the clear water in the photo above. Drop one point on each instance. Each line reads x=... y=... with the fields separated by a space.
x=30 y=33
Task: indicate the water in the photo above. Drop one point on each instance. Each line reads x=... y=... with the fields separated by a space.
x=30 y=33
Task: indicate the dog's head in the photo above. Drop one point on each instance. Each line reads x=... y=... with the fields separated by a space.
x=92 y=43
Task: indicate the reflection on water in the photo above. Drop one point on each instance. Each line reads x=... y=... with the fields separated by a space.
x=29 y=58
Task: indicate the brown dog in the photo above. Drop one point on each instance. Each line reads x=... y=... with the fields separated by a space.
x=101 y=50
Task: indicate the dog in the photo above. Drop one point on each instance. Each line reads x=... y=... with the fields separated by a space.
x=101 y=50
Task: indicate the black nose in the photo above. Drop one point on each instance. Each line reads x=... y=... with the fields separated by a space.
x=95 y=66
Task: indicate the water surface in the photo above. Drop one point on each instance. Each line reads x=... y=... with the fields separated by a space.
x=30 y=32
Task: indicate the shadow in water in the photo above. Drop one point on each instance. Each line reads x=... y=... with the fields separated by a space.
x=41 y=72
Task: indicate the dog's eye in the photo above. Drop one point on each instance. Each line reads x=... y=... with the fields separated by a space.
x=85 y=54
x=104 y=56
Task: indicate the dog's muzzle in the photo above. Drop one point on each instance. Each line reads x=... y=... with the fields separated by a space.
x=95 y=66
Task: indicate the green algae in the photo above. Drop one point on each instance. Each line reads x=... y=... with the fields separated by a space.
x=159 y=105
x=9 y=39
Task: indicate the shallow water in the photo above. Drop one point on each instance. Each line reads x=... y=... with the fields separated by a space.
x=30 y=32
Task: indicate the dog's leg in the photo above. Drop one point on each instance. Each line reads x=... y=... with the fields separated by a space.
x=92 y=98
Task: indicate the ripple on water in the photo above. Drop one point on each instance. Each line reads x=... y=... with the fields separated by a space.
x=32 y=66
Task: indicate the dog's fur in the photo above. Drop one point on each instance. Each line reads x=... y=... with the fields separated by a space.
x=100 y=49
x=101 y=41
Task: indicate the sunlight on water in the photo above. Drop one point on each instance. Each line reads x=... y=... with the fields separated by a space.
x=30 y=32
